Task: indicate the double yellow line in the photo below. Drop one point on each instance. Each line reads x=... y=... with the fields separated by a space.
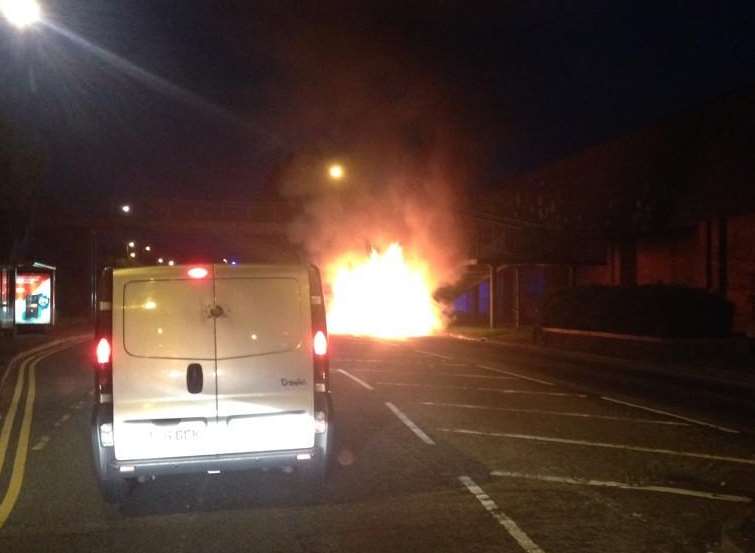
x=29 y=361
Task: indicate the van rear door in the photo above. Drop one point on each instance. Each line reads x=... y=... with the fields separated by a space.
x=264 y=358
x=164 y=387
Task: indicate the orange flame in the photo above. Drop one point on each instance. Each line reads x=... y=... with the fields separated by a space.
x=382 y=295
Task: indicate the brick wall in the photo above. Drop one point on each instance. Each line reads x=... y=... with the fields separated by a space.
x=741 y=270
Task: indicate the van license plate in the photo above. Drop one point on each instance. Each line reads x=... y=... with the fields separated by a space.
x=179 y=435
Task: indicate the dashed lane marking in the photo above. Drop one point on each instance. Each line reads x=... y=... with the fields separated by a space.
x=438 y=355
x=502 y=518
x=40 y=445
x=356 y=379
x=517 y=375
x=555 y=413
x=469 y=388
x=61 y=420
x=549 y=439
x=669 y=414
x=410 y=424
x=623 y=486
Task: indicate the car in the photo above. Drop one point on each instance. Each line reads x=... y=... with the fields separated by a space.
x=210 y=368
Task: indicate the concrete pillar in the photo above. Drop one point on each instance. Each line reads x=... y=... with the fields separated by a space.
x=515 y=298
x=493 y=293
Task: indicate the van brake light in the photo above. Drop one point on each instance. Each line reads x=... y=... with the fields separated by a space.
x=103 y=351
x=320 y=343
x=197 y=272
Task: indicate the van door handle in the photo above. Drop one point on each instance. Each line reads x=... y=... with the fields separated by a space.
x=194 y=378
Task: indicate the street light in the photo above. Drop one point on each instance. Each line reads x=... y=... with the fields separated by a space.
x=126 y=208
x=147 y=248
x=171 y=262
x=335 y=171
x=132 y=255
x=21 y=13
x=132 y=244
x=160 y=260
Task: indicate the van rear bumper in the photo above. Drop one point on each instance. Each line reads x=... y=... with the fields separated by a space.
x=108 y=467
x=223 y=463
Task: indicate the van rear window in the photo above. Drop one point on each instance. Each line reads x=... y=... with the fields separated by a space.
x=261 y=316
x=168 y=319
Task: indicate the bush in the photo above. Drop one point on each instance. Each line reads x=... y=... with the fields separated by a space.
x=656 y=310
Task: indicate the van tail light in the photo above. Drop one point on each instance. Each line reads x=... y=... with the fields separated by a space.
x=103 y=378
x=319 y=332
x=320 y=343
x=103 y=351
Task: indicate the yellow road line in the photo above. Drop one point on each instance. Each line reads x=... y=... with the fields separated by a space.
x=11 y=415
x=22 y=447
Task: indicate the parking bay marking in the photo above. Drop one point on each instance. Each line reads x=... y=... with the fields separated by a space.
x=549 y=439
x=495 y=390
x=410 y=424
x=669 y=414
x=356 y=379
x=622 y=485
x=503 y=519
x=556 y=413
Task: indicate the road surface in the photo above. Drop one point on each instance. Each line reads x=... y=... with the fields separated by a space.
x=442 y=445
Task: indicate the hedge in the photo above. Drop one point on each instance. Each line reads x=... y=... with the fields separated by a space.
x=655 y=310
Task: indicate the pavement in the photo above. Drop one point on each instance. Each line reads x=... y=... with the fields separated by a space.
x=442 y=445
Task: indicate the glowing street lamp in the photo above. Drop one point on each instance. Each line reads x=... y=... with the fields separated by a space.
x=21 y=13
x=160 y=260
x=335 y=171
x=126 y=208
x=132 y=255
x=171 y=262
x=147 y=248
x=132 y=244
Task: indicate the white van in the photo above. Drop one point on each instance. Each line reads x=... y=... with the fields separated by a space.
x=210 y=368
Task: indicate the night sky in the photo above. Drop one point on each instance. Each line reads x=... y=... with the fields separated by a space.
x=247 y=90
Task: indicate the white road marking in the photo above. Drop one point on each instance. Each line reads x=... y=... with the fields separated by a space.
x=623 y=486
x=357 y=380
x=740 y=460
x=669 y=414
x=410 y=424
x=40 y=445
x=438 y=355
x=356 y=360
x=414 y=372
x=490 y=506
x=469 y=388
x=517 y=375
x=61 y=420
x=557 y=413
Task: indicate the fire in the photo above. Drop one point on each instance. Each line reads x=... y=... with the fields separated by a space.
x=382 y=295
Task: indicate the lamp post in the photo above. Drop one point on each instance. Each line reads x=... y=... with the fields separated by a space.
x=22 y=14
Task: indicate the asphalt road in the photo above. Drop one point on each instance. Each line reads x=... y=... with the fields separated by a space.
x=442 y=445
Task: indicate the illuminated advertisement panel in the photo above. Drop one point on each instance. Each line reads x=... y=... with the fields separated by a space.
x=33 y=298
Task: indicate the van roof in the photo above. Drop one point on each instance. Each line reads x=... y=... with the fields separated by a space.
x=157 y=270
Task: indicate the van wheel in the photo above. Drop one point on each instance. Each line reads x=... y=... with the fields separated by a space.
x=116 y=490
